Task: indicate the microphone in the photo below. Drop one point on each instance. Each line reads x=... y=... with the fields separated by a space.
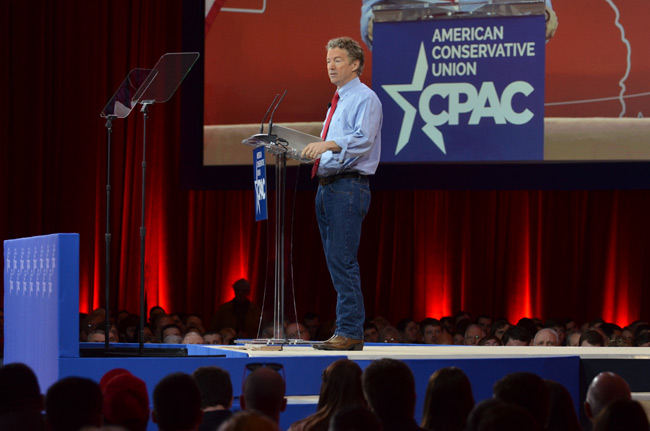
x=267 y=113
x=273 y=113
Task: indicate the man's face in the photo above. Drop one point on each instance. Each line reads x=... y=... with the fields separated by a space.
x=485 y=323
x=574 y=339
x=241 y=293
x=430 y=334
x=473 y=335
x=411 y=332
x=499 y=332
x=546 y=338
x=212 y=339
x=339 y=68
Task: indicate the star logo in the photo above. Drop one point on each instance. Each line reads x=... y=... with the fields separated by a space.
x=417 y=84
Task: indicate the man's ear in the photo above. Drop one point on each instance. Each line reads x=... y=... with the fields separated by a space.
x=588 y=411
x=153 y=416
x=242 y=402
x=229 y=406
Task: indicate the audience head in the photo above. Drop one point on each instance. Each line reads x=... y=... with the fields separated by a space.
x=562 y=415
x=431 y=330
x=495 y=415
x=573 y=339
x=212 y=337
x=622 y=415
x=604 y=389
x=247 y=421
x=389 y=387
x=312 y=323
x=177 y=403
x=73 y=403
x=357 y=418
x=526 y=390
x=642 y=340
x=490 y=340
x=485 y=322
x=297 y=331
x=370 y=333
x=408 y=330
x=447 y=401
x=473 y=334
x=19 y=389
x=592 y=338
x=193 y=338
x=559 y=327
x=264 y=391
x=516 y=336
x=499 y=327
x=389 y=334
x=242 y=289
x=215 y=387
x=341 y=385
x=154 y=312
x=126 y=401
x=546 y=337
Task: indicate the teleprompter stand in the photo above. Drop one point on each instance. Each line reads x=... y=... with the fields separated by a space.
x=146 y=87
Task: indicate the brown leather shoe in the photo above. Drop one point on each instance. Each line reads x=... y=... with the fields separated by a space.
x=339 y=342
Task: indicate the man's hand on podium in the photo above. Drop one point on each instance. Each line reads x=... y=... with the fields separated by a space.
x=551 y=22
x=315 y=149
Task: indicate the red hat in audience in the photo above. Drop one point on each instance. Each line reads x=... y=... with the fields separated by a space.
x=126 y=402
x=111 y=375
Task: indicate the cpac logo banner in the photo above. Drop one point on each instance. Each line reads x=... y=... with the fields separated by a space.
x=461 y=89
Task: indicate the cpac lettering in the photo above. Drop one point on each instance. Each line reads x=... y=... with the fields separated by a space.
x=463 y=98
x=260 y=190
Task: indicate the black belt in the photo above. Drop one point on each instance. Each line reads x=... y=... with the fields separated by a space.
x=323 y=181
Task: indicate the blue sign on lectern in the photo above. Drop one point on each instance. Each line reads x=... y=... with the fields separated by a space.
x=259 y=174
x=469 y=89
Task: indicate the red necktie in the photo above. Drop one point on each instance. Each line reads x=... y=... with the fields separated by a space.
x=335 y=100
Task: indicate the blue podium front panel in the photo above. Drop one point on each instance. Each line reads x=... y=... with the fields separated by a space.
x=467 y=89
x=41 y=302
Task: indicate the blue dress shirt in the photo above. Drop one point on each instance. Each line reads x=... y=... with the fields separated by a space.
x=356 y=128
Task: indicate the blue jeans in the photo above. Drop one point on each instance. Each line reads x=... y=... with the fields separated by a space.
x=340 y=209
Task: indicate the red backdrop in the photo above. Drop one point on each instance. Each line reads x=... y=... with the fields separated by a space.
x=423 y=253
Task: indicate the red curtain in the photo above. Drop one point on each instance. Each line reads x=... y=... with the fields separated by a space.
x=423 y=253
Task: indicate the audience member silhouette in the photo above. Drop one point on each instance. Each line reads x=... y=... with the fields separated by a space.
x=177 y=403
x=216 y=396
x=21 y=401
x=447 y=401
x=389 y=388
x=249 y=421
x=263 y=391
x=341 y=387
x=604 y=389
x=562 y=414
x=526 y=390
x=622 y=415
x=125 y=400
x=495 y=415
x=73 y=403
x=355 y=419
x=239 y=313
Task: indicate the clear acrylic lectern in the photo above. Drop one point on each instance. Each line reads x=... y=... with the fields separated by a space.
x=283 y=143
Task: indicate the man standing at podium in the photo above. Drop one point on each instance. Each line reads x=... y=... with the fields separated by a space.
x=348 y=154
